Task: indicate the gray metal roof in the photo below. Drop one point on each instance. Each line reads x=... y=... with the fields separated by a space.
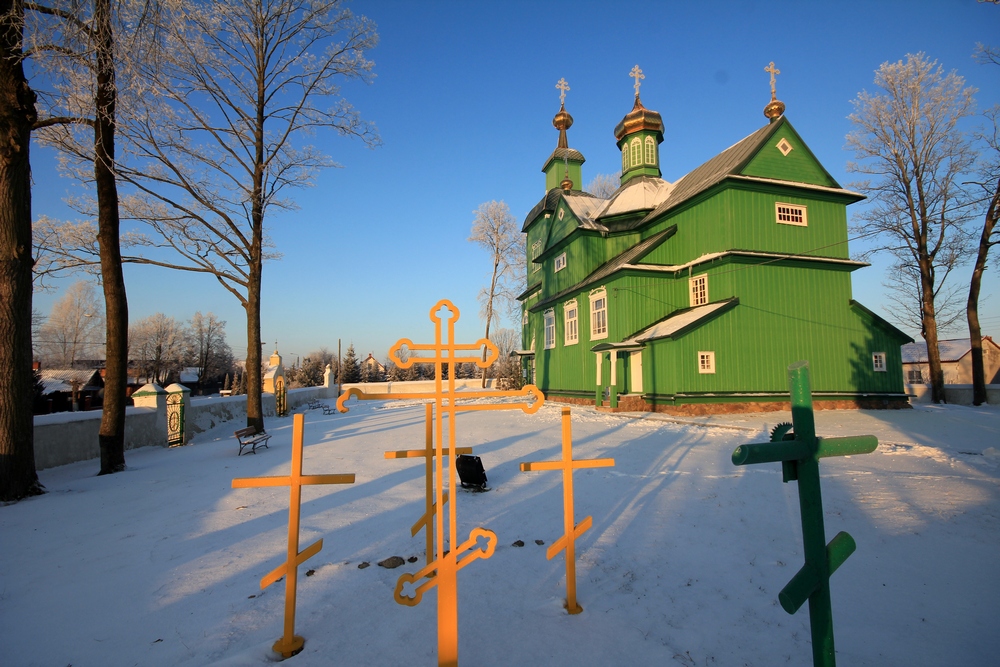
x=633 y=254
x=564 y=154
x=549 y=203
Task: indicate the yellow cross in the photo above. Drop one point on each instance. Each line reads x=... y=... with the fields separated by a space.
x=773 y=71
x=571 y=532
x=443 y=570
x=637 y=74
x=290 y=643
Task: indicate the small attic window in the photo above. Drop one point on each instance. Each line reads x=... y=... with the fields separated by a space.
x=790 y=214
x=784 y=147
x=562 y=213
x=560 y=262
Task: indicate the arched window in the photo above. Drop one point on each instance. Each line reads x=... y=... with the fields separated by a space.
x=624 y=158
x=636 y=152
x=650 y=151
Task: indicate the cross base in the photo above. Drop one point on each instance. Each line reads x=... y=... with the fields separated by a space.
x=576 y=610
x=289 y=647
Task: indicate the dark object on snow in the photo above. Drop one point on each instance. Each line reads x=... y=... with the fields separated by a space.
x=519 y=543
x=470 y=470
x=362 y=566
x=310 y=573
x=391 y=562
x=539 y=542
x=411 y=559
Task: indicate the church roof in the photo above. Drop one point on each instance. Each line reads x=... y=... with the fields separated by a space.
x=680 y=321
x=633 y=254
x=564 y=154
x=551 y=200
x=642 y=193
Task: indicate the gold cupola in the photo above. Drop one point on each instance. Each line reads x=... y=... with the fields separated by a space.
x=775 y=108
x=639 y=135
x=563 y=169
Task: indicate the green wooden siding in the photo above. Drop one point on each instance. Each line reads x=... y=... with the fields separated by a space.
x=799 y=165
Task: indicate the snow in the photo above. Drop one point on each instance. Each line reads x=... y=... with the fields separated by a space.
x=160 y=565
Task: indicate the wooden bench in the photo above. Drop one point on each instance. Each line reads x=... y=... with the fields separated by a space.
x=249 y=437
x=327 y=410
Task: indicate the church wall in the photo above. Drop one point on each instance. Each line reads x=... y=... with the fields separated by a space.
x=799 y=165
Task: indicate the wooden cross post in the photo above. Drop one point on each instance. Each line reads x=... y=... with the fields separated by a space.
x=443 y=570
x=570 y=531
x=427 y=520
x=799 y=453
x=290 y=643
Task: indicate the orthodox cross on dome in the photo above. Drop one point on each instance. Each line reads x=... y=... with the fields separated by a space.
x=773 y=71
x=562 y=86
x=637 y=74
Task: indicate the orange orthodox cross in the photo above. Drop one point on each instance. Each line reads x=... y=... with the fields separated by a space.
x=443 y=570
x=290 y=643
x=571 y=532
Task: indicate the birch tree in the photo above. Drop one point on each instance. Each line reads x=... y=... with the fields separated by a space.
x=216 y=140
x=18 y=478
x=908 y=140
x=74 y=329
x=495 y=231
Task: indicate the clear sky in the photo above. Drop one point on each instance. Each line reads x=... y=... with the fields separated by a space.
x=464 y=97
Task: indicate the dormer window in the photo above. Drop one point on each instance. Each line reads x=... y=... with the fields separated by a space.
x=650 y=151
x=636 y=151
x=784 y=147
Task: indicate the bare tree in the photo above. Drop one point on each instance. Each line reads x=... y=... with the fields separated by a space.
x=989 y=182
x=604 y=185
x=508 y=366
x=495 y=231
x=909 y=142
x=156 y=344
x=77 y=48
x=207 y=348
x=74 y=328
x=17 y=114
x=214 y=143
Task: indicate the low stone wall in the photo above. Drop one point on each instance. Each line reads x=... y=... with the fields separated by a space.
x=957 y=394
x=68 y=437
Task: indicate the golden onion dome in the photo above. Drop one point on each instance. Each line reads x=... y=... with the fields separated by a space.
x=639 y=118
x=774 y=109
x=563 y=121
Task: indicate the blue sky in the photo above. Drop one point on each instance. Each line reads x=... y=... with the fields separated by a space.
x=464 y=97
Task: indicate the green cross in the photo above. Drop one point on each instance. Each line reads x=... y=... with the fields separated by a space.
x=799 y=453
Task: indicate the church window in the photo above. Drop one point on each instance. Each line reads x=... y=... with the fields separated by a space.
x=536 y=250
x=784 y=147
x=625 y=158
x=706 y=362
x=650 y=151
x=636 y=152
x=790 y=214
x=878 y=361
x=550 y=329
x=560 y=262
x=699 y=290
x=570 y=331
x=599 y=314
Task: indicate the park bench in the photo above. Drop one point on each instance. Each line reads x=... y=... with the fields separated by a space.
x=327 y=410
x=250 y=437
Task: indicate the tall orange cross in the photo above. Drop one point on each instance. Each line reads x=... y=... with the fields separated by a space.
x=290 y=643
x=442 y=572
x=570 y=532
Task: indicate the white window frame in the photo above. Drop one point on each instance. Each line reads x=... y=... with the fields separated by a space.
x=650 y=151
x=624 y=157
x=915 y=376
x=599 y=316
x=550 y=328
x=878 y=362
x=560 y=262
x=536 y=250
x=706 y=362
x=784 y=147
x=698 y=289
x=636 y=148
x=524 y=318
x=571 y=323
x=790 y=214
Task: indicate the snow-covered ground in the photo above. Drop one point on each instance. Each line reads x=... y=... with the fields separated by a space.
x=160 y=565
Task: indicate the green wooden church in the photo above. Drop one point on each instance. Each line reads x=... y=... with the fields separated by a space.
x=694 y=296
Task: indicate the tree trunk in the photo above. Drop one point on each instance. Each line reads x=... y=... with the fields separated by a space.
x=112 y=433
x=929 y=326
x=972 y=306
x=255 y=410
x=489 y=316
x=17 y=114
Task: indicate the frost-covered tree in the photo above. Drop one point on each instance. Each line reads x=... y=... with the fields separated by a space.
x=604 y=185
x=909 y=141
x=157 y=344
x=495 y=231
x=74 y=328
x=207 y=348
